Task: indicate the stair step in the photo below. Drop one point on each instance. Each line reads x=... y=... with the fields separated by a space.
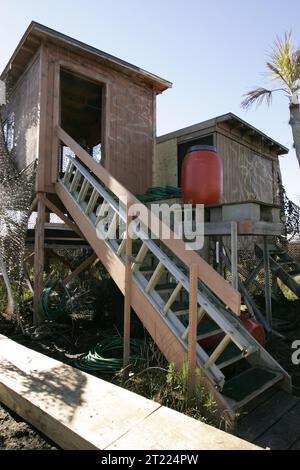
x=146 y=269
x=164 y=288
x=231 y=355
x=180 y=308
x=208 y=328
x=249 y=384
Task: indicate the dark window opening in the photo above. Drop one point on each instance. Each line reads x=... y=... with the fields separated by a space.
x=183 y=148
x=81 y=114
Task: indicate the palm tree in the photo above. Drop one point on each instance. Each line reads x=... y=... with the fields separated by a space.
x=283 y=68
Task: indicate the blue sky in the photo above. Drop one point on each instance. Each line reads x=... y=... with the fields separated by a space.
x=212 y=51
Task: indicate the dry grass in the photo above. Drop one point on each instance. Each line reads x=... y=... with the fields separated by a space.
x=154 y=379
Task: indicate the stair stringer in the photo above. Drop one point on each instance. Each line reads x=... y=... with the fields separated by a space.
x=171 y=346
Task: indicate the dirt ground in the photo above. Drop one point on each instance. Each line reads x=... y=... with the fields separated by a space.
x=15 y=434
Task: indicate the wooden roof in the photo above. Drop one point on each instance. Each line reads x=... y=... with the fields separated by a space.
x=37 y=32
x=235 y=122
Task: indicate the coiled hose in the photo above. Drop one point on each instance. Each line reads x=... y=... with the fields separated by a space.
x=106 y=356
x=53 y=301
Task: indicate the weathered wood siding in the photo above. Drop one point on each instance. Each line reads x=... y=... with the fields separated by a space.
x=24 y=103
x=130 y=126
x=246 y=174
x=165 y=166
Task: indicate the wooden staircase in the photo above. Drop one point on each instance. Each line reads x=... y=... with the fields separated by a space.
x=161 y=287
x=283 y=266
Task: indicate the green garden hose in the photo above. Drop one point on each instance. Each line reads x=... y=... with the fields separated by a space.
x=100 y=359
x=53 y=301
x=159 y=193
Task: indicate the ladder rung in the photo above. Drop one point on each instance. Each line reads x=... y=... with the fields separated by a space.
x=68 y=172
x=155 y=277
x=200 y=315
x=140 y=257
x=92 y=202
x=75 y=181
x=208 y=334
x=122 y=247
x=83 y=191
x=172 y=298
x=113 y=226
x=217 y=352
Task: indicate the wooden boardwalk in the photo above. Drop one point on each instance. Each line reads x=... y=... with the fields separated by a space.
x=79 y=411
x=273 y=423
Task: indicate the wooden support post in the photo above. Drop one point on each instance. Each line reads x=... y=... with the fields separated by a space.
x=221 y=264
x=127 y=298
x=38 y=262
x=268 y=289
x=192 y=337
x=234 y=255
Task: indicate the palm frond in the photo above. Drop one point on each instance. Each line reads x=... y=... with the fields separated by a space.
x=258 y=96
x=284 y=63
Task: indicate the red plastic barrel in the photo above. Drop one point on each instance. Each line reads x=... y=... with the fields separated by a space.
x=252 y=326
x=255 y=328
x=202 y=176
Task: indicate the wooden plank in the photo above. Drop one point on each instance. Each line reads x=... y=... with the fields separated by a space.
x=265 y=416
x=245 y=227
x=283 y=434
x=167 y=429
x=56 y=120
x=74 y=409
x=234 y=256
x=43 y=93
x=79 y=411
x=192 y=333
x=268 y=291
x=39 y=262
x=127 y=290
x=207 y=274
x=85 y=264
x=155 y=277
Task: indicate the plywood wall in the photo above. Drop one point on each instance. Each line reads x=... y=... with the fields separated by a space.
x=165 y=168
x=130 y=126
x=247 y=175
x=24 y=103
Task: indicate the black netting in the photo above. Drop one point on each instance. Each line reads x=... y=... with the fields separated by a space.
x=16 y=194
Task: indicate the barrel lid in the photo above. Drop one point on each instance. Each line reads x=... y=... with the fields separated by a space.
x=194 y=148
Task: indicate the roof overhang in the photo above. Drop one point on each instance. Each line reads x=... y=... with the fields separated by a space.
x=36 y=33
x=235 y=123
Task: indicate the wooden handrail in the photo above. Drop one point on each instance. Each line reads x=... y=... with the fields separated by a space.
x=213 y=280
